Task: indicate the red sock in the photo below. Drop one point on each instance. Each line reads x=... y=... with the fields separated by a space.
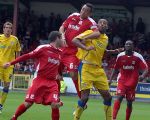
x=77 y=88
x=55 y=114
x=20 y=110
x=128 y=113
x=116 y=108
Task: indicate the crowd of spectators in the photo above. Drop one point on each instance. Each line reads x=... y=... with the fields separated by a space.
x=33 y=30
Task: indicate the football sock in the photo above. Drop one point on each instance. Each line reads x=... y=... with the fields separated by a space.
x=116 y=108
x=55 y=114
x=128 y=113
x=79 y=110
x=4 y=96
x=108 y=110
x=20 y=110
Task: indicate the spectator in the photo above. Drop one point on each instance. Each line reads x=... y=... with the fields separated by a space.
x=140 y=26
x=116 y=41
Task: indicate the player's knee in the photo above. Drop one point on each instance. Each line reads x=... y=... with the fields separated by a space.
x=129 y=104
x=28 y=104
x=85 y=98
x=108 y=101
x=6 y=89
x=120 y=98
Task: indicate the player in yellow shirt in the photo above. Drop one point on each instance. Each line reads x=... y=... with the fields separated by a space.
x=9 y=48
x=91 y=73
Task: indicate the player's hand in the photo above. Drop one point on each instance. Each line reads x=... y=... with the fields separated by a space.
x=141 y=78
x=90 y=48
x=6 y=65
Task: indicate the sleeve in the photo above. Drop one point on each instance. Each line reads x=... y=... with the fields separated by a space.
x=32 y=55
x=142 y=63
x=67 y=21
x=18 y=47
x=93 y=26
x=117 y=63
x=84 y=34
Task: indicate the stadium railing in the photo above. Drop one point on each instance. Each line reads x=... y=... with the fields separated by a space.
x=21 y=81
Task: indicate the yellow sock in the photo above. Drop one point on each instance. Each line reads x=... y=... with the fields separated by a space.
x=108 y=112
x=78 y=113
x=4 y=96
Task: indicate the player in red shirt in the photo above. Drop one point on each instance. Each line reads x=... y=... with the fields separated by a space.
x=74 y=25
x=128 y=63
x=44 y=89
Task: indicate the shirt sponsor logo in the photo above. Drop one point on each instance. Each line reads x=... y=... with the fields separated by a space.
x=80 y=22
x=127 y=67
x=133 y=62
x=74 y=27
x=54 y=61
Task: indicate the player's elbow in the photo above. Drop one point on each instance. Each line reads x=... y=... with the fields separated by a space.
x=74 y=41
x=61 y=29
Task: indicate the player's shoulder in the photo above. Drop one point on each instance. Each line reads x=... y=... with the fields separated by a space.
x=1 y=35
x=121 y=54
x=91 y=20
x=13 y=37
x=42 y=47
x=74 y=14
x=138 y=55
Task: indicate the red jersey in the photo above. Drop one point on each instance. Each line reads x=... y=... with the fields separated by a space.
x=75 y=25
x=47 y=61
x=129 y=67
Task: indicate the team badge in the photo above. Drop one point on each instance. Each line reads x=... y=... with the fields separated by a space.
x=133 y=62
x=80 y=22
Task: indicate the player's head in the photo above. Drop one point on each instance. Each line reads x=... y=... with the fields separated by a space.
x=129 y=45
x=7 y=29
x=102 y=25
x=55 y=37
x=86 y=10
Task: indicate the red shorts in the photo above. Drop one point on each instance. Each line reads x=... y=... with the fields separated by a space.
x=43 y=91
x=125 y=91
x=70 y=63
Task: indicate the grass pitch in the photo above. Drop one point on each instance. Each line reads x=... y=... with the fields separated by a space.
x=141 y=111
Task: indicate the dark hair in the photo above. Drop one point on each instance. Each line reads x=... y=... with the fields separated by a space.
x=53 y=35
x=130 y=40
x=90 y=6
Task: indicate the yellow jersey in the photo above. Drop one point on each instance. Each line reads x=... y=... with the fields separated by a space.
x=93 y=56
x=8 y=47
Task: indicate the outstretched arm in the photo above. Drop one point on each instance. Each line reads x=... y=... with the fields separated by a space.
x=115 y=51
x=114 y=71
x=79 y=44
x=18 y=59
x=95 y=34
